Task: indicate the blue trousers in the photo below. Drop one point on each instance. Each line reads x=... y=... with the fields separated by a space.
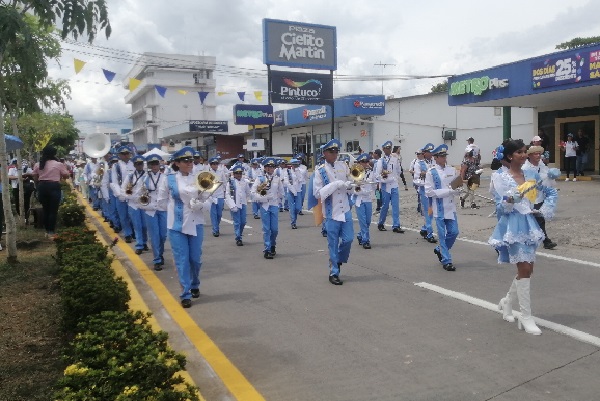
x=124 y=221
x=295 y=204
x=94 y=196
x=394 y=199
x=303 y=195
x=157 y=227
x=139 y=227
x=339 y=240
x=113 y=215
x=256 y=209
x=424 y=200
x=187 y=253
x=270 y=226
x=239 y=222
x=447 y=232
x=363 y=214
x=216 y=213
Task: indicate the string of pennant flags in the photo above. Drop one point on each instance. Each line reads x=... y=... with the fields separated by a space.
x=161 y=90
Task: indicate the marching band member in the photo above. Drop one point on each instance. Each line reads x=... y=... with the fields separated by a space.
x=155 y=212
x=96 y=182
x=293 y=186
x=241 y=160
x=132 y=188
x=216 y=209
x=119 y=171
x=330 y=185
x=237 y=194
x=303 y=180
x=437 y=187
x=109 y=201
x=279 y=171
x=420 y=170
x=185 y=222
x=252 y=174
x=517 y=234
x=88 y=172
x=363 y=203
x=387 y=170
x=199 y=165
x=418 y=156
x=267 y=190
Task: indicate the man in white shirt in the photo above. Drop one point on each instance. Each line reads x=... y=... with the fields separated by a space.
x=387 y=173
x=119 y=171
x=88 y=173
x=472 y=147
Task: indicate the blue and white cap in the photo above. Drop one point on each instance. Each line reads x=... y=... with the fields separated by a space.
x=344 y=158
x=441 y=150
x=241 y=155
x=124 y=149
x=187 y=152
x=114 y=158
x=237 y=168
x=428 y=148
x=295 y=161
x=197 y=154
x=254 y=161
x=213 y=160
x=282 y=161
x=363 y=157
x=138 y=159
x=154 y=158
x=269 y=161
x=333 y=144
x=387 y=144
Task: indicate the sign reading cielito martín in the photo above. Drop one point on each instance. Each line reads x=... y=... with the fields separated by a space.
x=299 y=45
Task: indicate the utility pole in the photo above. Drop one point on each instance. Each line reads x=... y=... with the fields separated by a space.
x=383 y=65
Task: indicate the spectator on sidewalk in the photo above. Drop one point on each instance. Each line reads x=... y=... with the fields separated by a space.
x=570 y=149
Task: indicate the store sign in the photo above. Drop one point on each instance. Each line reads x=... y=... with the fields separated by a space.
x=566 y=69
x=301 y=88
x=279 y=118
x=368 y=105
x=208 y=126
x=300 y=45
x=315 y=114
x=248 y=114
x=477 y=86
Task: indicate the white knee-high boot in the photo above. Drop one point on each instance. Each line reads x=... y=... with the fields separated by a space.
x=526 y=321
x=505 y=304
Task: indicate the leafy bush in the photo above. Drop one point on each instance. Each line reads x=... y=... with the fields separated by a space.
x=70 y=240
x=71 y=214
x=117 y=356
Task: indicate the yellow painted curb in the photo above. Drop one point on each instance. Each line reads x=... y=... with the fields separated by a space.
x=229 y=374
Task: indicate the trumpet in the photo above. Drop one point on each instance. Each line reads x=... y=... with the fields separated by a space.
x=385 y=173
x=144 y=199
x=263 y=187
x=206 y=183
x=129 y=189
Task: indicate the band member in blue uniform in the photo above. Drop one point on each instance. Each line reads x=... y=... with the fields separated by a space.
x=109 y=200
x=216 y=209
x=185 y=222
x=268 y=190
x=303 y=179
x=119 y=172
x=293 y=186
x=387 y=173
x=331 y=184
x=437 y=187
x=133 y=187
x=252 y=174
x=155 y=212
x=363 y=203
x=237 y=194
x=420 y=170
x=89 y=171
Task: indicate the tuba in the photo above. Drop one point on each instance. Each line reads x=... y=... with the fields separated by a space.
x=96 y=145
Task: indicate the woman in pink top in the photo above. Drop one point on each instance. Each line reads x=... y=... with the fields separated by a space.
x=48 y=173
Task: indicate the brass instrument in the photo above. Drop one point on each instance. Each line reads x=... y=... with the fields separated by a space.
x=97 y=181
x=385 y=173
x=129 y=189
x=263 y=187
x=144 y=199
x=207 y=183
x=358 y=174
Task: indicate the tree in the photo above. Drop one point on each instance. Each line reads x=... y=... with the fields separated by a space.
x=440 y=87
x=23 y=61
x=41 y=128
x=578 y=42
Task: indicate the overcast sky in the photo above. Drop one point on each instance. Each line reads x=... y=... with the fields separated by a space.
x=432 y=37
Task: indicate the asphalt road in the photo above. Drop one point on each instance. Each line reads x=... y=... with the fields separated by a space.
x=400 y=328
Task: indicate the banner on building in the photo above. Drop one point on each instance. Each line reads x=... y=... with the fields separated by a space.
x=565 y=69
x=301 y=88
x=252 y=114
x=208 y=126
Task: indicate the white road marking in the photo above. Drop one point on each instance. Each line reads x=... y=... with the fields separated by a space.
x=559 y=328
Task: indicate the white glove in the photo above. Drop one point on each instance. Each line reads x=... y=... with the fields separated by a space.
x=349 y=184
x=196 y=205
x=339 y=184
x=234 y=209
x=479 y=171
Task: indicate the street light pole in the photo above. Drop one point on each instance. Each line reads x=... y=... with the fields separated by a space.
x=383 y=65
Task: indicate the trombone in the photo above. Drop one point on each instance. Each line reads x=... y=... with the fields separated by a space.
x=358 y=175
x=206 y=183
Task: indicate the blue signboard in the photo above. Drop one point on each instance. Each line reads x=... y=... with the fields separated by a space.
x=360 y=106
x=566 y=68
x=208 y=126
x=301 y=87
x=302 y=115
x=248 y=114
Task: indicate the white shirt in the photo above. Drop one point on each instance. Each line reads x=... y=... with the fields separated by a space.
x=137 y=179
x=200 y=167
x=419 y=173
x=126 y=169
x=13 y=172
x=221 y=175
x=445 y=194
x=474 y=148
x=273 y=194
x=291 y=180
x=570 y=150
x=339 y=196
x=303 y=174
x=89 y=170
x=153 y=182
x=242 y=193
x=366 y=190
x=393 y=166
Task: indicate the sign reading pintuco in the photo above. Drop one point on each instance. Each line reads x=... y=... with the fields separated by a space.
x=300 y=45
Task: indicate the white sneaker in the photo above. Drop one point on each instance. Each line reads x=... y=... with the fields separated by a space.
x=566 y=179
x=574 y=179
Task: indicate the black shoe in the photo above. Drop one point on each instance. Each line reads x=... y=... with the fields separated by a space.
x=162 y=261
x=273 y=251
x=186 y=303
x=286 y=209
x=381 y=227
x=449 y=267
x=146 y=248
x=268 y=255
x=239 y=242
x=438 y=254
x=216 y=234
x=423 y=233
x=128 y=239
x=256 y=217
x=549 y=244
x=398 y=230
x=462 y=202
x=431 y=239
x=294 y=226
x=324 y=233
x=157 y=267
x=117 y=229
x=335 y=280
x=300 y=213
x=281 y=210
x=111 y=225
x=359 y=241
x=367 y=245
x=195 y=293
x=138 y=251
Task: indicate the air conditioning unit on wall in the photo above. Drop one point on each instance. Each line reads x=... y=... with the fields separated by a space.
x=449 y=135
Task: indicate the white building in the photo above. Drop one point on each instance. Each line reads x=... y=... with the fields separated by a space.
x=158 y=119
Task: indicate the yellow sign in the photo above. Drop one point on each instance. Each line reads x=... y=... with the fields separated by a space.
x=257 y=126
